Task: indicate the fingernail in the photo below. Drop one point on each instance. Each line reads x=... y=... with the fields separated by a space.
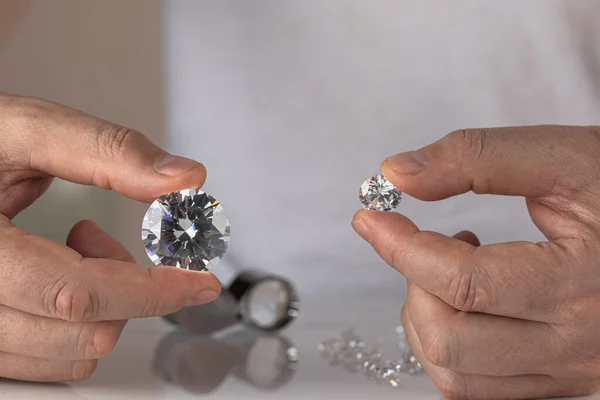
x=173 y=165
x=202 y=297
x=360 y=226
x=408 y=163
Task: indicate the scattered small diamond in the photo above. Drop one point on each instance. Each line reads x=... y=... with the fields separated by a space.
x=392 y=374
x=377 y=193
x=375 y=371
x=371 y=357
x=351 y=359
x=351 y=352
x=292 y=354
x=351 y=340
x=329 y=348
x=409 y=364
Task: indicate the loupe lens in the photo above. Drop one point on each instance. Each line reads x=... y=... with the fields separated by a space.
x=267 y=303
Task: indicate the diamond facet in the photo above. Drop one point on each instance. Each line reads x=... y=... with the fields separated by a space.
x=377 y=193
x=186 y=229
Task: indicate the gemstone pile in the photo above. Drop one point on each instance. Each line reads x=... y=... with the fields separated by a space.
x=352 y=353
x=186 y=229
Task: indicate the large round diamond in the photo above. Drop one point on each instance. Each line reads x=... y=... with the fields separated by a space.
x=186 y=229
x=377 y=193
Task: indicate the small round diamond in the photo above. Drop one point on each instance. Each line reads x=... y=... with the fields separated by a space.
x=375 y=371
x=377 y=193
x=371 y=357
x=330 y=348
x=186 y=229
x=391 y=374
x=352 y=359
x=409 y=364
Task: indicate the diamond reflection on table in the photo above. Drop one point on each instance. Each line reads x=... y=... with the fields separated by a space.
x=200 y=364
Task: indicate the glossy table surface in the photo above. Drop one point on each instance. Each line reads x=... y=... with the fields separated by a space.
x=155 y=361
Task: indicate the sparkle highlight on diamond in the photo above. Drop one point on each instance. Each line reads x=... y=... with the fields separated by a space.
x=378 y=194
x=186 y=229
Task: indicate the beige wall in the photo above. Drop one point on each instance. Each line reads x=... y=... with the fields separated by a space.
x=104 y=57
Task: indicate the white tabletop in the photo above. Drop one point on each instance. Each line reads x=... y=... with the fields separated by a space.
x=203 y=367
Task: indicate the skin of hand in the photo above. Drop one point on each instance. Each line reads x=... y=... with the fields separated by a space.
x=507 y=320
x=63 y=307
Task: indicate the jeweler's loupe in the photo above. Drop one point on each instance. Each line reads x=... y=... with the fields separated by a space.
x=256 y=299
x=265 y=302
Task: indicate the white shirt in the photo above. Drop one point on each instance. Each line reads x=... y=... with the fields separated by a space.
x=291 y=105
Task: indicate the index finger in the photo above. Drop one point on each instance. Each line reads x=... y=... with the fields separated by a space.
x=55 y=281
x=80 y=148
x=519 y=279
x=530 y=161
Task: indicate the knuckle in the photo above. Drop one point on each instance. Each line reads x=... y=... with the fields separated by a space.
x=102 y=343
x=82 y=369
x=151 y=308
x=462 y=292
x=467 y=290
x=469 y=144
x=74 y=304
x=397 y=256
x=438 y=346
x=398 y=253
x=452 y=385
x=98 y=340
x=112 y=140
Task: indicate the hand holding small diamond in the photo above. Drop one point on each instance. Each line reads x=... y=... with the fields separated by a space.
x=63 y=307
x=508 y=320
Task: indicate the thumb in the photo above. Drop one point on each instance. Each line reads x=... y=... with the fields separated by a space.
x=75 y=146
x=517 y=161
